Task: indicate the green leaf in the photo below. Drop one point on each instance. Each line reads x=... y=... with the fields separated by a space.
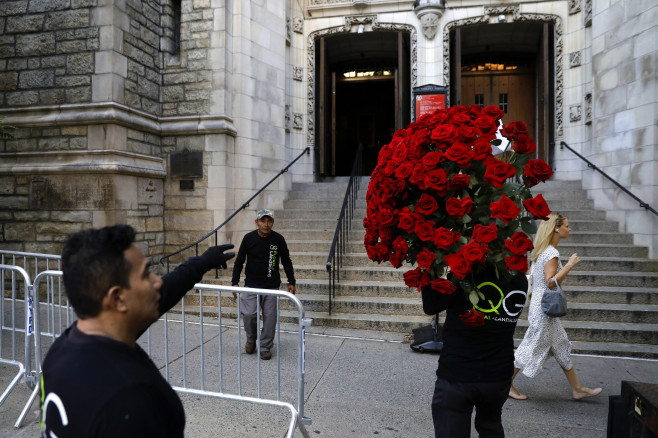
x=496 y=142
x=529 y=227
x=466 y=219
x=481 y=295
x=473 y=298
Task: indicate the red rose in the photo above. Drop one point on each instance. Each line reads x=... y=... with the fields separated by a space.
x=443 y=286
x=378 y=253
x=517 y=263
x=424 y=230
x=473 y=253
x=537 y=207
x=400 y=245
x=482 y=150
x=371 y=238
x=459 y=207
x=426 y=204
x=505 y=209
x=473 y=317
x=458 y=265
x=475 y=110
x=524 y=145
x=486 y=125
x=386 y=218
x=407 y=220
x=462 y=155
x=467 y=134
x=396 y=260
x=493 y=111
x=437 y=180
x=399 y=155
x=418 y=176
x=425 y=258
x=497 y=172
x=536 y=171
x=445 y=238
x=459 y=182
x=519 y=244
x=444 y=134
x=432 y=159
x=386 y=235
x=416 y=278
x=513 y=129
x=485 y=234
x=404 y=170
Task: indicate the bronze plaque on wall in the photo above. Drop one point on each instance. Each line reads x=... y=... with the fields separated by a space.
x=186 y=164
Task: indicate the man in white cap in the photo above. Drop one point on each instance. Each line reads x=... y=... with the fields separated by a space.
x=263 y=250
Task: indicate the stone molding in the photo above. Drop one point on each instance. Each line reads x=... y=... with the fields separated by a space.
x=575 y=59
x=575 y=113
x=116 y=113
x=83 y=161
x=516 y=15
x=375 y=26
x=574 y=6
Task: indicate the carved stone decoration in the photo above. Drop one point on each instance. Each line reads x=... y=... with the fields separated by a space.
x=575 y=113
x=288 y=31
x=497 y=11
x=588 y=108
x=575 y=59
x=346 y=28
x=298 y=25
x=588 y=13
x=298 y=73
x=298 y=121
x=288 y=123
x=559 y=48
x=574 y=6
x=429 y=12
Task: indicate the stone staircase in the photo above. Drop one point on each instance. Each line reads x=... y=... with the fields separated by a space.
x=612 y=293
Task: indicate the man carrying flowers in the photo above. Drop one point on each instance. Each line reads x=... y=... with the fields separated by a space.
x=441 y=200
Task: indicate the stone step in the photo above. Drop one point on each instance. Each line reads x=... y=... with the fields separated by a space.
x=327 y=193
x=595 y=331
x=611 y=278
x=612 y=295
x=587 y=264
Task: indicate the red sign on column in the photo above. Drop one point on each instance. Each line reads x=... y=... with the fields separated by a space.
x=428 y=103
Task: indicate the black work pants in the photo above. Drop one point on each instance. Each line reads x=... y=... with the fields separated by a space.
x=453 y=403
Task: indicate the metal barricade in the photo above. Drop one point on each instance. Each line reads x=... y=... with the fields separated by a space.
x=221 y=333
x=32 y=262
x=187 y=334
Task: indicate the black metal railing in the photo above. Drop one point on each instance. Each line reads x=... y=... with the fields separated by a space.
x=624 y=189
x=344 y=226
x=245 y=205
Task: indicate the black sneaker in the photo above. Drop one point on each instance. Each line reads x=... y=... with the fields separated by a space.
x=266 y=355
x=250 y=347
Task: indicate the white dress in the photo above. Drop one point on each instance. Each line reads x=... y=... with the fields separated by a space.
x=545 y=335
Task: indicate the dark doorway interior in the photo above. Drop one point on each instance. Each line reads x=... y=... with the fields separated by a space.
x=363 y=92
x=364 y=115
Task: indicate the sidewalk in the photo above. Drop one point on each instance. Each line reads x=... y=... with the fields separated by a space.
x=361 y=384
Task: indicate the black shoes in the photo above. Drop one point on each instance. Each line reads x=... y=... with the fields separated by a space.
x=250 y=347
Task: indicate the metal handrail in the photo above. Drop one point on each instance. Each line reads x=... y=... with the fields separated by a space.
x=245 y=205
x=593 y=166
x=341 y=236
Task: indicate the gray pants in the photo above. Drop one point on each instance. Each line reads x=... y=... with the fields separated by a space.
x=248 y=310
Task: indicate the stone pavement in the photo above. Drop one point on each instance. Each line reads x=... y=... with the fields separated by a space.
x=362 y=384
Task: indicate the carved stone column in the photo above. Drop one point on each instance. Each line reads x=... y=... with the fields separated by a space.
x=429 y=12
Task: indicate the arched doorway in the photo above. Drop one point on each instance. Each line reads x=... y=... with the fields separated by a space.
x=508 y=65
x=363 y=95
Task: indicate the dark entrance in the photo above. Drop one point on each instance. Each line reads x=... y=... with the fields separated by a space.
x=362 y=87
x=507 y=65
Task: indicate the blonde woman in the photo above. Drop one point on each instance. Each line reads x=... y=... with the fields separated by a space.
x=545 y=336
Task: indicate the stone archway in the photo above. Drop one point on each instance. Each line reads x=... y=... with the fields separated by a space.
x=351 y=22
x=514 y=13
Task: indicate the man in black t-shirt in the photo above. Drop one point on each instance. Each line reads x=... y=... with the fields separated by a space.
x=477 y=361
x=263 y=249
x=96 y=381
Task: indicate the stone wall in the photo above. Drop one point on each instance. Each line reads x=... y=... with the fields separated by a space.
x=624 y=135
x=46 y=52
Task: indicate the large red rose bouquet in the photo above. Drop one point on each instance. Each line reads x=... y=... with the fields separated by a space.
x=441 y=200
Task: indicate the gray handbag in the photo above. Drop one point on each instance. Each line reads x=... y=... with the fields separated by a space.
x=554 y=302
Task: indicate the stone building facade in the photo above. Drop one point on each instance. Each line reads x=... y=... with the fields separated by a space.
x=169 y=114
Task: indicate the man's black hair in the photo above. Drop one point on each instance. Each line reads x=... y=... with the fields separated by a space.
x=92 y=263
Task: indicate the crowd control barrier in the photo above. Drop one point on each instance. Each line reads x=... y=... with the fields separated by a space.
x=198 y=345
